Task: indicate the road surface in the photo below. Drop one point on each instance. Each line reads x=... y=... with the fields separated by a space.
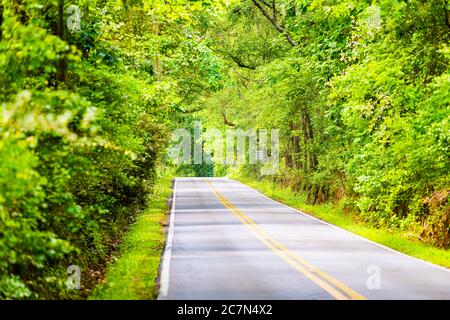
x=228 y=241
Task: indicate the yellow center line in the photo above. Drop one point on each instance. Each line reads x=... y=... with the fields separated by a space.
x=334 y=287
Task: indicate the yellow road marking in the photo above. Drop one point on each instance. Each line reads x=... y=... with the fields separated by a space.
x=334 y=287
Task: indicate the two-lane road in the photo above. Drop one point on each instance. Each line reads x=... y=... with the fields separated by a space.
x=228 y=241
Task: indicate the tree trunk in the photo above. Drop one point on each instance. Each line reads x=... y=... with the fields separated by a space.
x=1 y=20
x=61 y=74
x=295 y=147
x=447 y=13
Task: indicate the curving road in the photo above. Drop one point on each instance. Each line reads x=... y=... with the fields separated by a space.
x=228 y=241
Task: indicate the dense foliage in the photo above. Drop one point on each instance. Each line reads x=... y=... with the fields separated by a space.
x=88 y=95
x=358 y=89
x=360 y=92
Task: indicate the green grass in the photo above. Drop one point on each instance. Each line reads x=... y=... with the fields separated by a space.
x=132 y=275
x=400 y=241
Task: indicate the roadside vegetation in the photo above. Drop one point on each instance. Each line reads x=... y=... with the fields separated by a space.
x=360 y=93
x=133 y=271
x=90 y=92
x=338 y=215
x=86 y=111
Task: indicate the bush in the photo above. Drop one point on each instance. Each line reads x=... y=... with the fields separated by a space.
x=80 y=139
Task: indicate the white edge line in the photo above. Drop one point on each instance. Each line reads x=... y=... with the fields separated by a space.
x=165 y=267
x=346 y=231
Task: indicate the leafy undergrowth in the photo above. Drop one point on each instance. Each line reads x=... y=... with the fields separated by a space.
x=334 y=214
x=132 y=275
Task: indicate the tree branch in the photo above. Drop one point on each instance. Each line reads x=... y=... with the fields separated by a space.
x=1 y=20
x=274 y=22
x=239 y=62
x=274 y=11
x=225 y=120
x=447 y=18
x=270 y=6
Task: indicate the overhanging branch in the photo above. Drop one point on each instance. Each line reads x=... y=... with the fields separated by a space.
x=273 y=20
x=225 y=120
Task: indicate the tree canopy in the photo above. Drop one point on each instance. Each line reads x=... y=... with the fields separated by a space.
x=91 y=90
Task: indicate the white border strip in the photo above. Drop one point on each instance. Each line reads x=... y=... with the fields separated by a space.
x=346 y=231
x=165 y=267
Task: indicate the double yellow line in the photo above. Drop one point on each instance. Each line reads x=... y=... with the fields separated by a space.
x=334 y=287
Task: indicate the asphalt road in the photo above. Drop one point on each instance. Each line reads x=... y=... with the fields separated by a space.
x=228 y=241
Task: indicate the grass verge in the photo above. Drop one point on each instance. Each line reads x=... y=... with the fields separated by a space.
x=395 y=239
x=132 y=275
